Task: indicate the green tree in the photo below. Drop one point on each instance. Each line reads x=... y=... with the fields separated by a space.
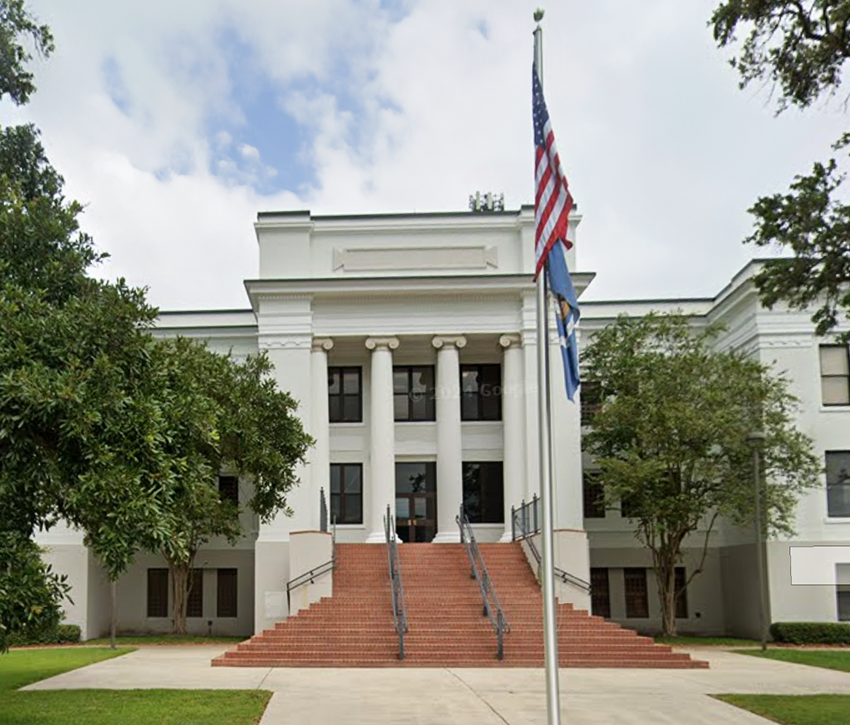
x=799 y=50
x=16 y=23
x=221 y=414
x=670 y=438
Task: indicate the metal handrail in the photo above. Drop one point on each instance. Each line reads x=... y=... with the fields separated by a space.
x=478 y=571
x=309 y=577
x=396 y=584
x=525 y=523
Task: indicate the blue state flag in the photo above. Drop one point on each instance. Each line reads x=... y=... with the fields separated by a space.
x=566 y=313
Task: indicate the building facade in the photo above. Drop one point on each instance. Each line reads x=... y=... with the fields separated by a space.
x=409 y=341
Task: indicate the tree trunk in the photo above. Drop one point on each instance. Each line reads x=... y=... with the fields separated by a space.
x=181 y=583
x=665 y=574
x=113 y=614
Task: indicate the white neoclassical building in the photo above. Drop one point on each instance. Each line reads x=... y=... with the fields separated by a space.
x=409 y=341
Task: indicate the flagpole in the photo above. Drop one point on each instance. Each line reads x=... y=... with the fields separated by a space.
x=550 y=634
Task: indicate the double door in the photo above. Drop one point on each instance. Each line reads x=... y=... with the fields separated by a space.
x=416 y=501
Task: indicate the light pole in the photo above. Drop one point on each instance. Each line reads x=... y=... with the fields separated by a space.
x=756 y=440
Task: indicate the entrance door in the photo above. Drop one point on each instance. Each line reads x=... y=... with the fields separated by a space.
x=416 y=501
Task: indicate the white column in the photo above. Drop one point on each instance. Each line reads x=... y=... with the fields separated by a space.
x=320 y=457
x=513 y=427
x=449 y=448
x=381 y=436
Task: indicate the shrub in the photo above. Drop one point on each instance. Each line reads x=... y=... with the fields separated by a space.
x=810 y=632
x=60 y=634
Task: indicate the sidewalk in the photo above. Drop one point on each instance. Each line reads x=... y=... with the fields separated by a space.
x=467 y=696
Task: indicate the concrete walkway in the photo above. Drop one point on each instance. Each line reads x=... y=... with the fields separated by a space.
x=467 y=696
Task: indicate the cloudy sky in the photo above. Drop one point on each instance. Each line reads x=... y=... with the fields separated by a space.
x=176 y=121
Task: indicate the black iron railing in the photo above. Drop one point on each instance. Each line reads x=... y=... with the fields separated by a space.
x=399 y=607
x=525 y=523
x=309 y=577
x=478 y=571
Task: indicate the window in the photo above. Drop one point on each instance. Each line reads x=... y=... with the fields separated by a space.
x=834 y=375
x=157 y=592
x=413 y=393
x=682 y=597
x=345 y=395
x=591 y=400
x=594 y=499
x=480 y=392
x=600 y=593
x=227 y=594
x=629 y=506
x=842 y=596
x=228 y=489
x=483 y=492
x=347 y=493
x=195 y=603
x=838 y=483
x=637 y=598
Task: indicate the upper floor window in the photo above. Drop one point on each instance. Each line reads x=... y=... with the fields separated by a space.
x=834 y=375
x=345 y=395
x=413 y=393
x=838 y=483
x=481 y=392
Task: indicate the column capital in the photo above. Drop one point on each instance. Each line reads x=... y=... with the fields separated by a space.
x=382 y=343
x=440 y=341
x=322 y=344
x=510 y=340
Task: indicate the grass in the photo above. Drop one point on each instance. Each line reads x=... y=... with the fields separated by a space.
x=107 y=707
x=830 y=659
x=707 y=641
x=795 y=709
x=158 y=639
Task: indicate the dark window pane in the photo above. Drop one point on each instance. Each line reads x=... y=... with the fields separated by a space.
x=351 y=381
x=334 y=381
x=400 y=407
x=228 y=489
x=195 y=602
x=227 y=593
x=400 y=380
x=637 y=597
x=600 y=593
x=594 y=501
x=838 y=483
x=334 y=409
x=481 y=392
x=351 y=409
x=419 y=407
x=682 y=596
x=842 y=595
x=591 y=400
x=346 y=498
x=157 y=592
x=483 y=492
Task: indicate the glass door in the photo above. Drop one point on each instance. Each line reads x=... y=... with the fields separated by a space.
x=416 y=501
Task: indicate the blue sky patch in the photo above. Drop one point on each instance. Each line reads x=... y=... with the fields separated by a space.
x=113 y=83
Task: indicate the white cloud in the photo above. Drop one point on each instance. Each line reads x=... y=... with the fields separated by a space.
x=409 y=112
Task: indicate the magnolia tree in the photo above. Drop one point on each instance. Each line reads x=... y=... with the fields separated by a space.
x=222 y=415
x=671 y=439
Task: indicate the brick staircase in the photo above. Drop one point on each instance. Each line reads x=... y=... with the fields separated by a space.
x=354 y=628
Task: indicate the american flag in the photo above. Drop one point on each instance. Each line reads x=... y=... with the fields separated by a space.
x=553 y=201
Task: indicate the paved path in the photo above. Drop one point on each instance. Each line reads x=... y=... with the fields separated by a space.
x=467 y=696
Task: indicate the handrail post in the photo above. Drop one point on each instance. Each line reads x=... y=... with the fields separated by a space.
x=536 y=522
x=513 y=523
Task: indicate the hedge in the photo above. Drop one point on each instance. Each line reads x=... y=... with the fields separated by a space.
x=810 y=632
x=61 y=634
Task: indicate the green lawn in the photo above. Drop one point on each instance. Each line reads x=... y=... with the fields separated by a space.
x=830 y=659
x=142 y=639
x=707 y=641
x=795 y=709
x=108 y=707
